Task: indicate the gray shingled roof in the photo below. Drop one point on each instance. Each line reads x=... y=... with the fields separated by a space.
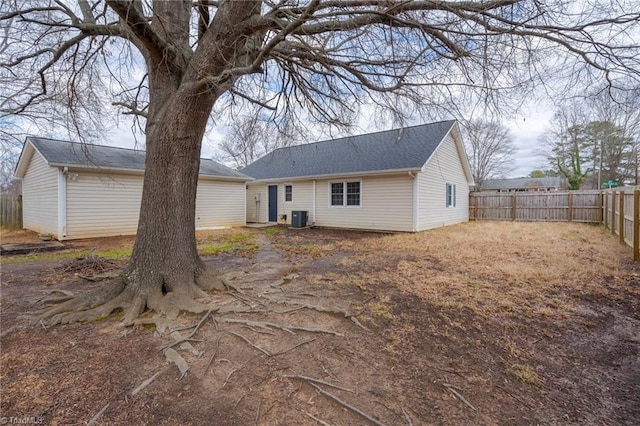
x=399 y=149
x=74 y=154
x=522 y=183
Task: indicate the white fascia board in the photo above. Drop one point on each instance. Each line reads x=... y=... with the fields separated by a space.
x=340 y=175
x=78 y=168
x=25 y=158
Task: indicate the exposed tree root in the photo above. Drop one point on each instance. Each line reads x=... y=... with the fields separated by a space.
x=86 y=307
x=175 y=358
x=116 y=295
x=288 y=328
x=346 y=405
x=329 y=310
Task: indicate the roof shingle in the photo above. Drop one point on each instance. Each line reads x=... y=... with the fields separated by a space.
x=74 y=154
x=407 y=148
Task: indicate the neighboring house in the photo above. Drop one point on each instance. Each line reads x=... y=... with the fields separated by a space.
x=546 y=184
x=72 y=190
x=408 y=179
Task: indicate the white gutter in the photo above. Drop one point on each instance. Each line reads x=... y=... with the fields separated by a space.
x=141 y=171
x=340 y=175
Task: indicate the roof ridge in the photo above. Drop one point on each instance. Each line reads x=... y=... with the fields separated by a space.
x=87 y=143
x=362 y=134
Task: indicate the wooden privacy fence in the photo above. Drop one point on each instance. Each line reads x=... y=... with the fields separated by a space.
x=622 y=216
x=617 y=209
x=11 y=211
x=575 y=206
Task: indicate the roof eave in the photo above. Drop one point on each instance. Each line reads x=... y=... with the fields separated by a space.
x=23 y=162
x=141 y=171
x=339 y=175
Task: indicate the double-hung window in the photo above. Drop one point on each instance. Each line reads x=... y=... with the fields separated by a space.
x=345 y=194
x=450 y=198
x=288 y=193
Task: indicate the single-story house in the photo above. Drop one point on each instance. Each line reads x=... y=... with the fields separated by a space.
x=72 y=190
x=544 y=184
x=409 y=179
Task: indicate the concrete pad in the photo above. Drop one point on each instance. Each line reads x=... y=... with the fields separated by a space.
x=22 y=248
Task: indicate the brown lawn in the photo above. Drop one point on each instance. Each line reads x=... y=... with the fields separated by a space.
x=479 y=323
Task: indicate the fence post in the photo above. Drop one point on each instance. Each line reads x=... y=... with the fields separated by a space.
x=613 y=212
x=472 y=206
x=621 y=214
x=513 y=206
x=636 y=224
x=605 y=210
x=601 y=215
x=570 y=211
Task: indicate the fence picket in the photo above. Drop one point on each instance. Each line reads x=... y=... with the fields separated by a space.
x=11 y=211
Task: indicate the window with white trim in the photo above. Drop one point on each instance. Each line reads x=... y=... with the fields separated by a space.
x=345 y=194
x=450 y=195
x=288 y=193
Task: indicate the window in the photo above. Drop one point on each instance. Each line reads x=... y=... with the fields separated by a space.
x=451 y=195
x=337 y=194
x=345 y=194
x=288 y=193
x=353 y=193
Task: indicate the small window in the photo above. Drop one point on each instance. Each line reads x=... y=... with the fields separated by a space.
x=288 y=193
x=451 y=195
x=337 y=194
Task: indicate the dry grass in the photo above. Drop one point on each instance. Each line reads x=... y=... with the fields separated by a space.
x=10 y=235
x=500 y=268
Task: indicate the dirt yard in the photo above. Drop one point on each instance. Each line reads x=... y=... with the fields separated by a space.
x=479 y=323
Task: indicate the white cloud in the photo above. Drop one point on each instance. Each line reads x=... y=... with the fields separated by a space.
x=527 y=129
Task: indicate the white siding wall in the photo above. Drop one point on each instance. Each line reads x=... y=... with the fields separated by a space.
x=257 y=211
x=40 y=197
x=386 y=205
x=101 y=205
x=220 y=203
x=302 y=199
x=443 y=167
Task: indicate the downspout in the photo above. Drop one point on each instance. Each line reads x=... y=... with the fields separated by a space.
x=62 y=203
x=416 y=205
x=313 y=212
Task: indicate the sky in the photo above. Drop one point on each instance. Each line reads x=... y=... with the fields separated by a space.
x=525 y=127
x=526 y=130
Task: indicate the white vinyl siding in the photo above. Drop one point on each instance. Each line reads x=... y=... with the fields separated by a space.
x=102 y=205
x=444 y=167
x=220 y=203
x=385 y=204
x=40 y=197
x=257 y=209
x=302 y=199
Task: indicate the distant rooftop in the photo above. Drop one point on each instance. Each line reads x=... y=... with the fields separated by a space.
x=523 y=183
x=74 y=154
x=407 y=148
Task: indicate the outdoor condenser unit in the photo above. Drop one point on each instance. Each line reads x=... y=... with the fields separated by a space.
x=299 y=218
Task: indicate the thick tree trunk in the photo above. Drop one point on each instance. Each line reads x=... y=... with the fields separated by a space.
x=165 y=258
x=165 y=271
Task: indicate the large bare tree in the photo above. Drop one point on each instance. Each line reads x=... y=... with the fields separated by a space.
x=200 y=57
x=490 y=148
